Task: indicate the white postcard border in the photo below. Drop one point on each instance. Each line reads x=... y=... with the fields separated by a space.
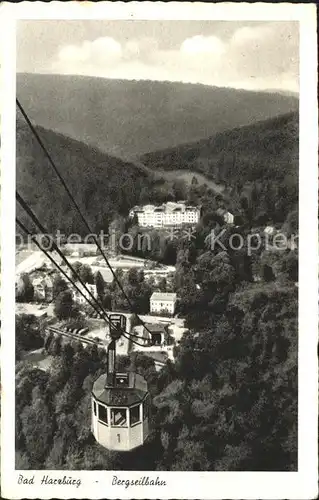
x=188 y=485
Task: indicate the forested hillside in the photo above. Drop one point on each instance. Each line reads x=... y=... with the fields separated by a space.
x=128 y=118
x=257 y=164
x=102 y=185
x=228 y=403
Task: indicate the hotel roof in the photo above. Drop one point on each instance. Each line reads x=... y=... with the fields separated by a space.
x=168 y=296
x=169 y=207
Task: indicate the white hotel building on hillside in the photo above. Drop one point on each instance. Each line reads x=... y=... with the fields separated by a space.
x=168 y=214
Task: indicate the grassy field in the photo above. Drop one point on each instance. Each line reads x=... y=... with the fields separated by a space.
x=187 y=176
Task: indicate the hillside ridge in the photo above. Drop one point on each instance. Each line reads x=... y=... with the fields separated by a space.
x=103 y=185
x=129 y=118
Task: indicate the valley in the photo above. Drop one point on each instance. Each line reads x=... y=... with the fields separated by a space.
x=158 y=168
x=117 y=116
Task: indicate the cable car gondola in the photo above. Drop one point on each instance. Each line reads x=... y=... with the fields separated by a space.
x=120 y=405
x=120 y=401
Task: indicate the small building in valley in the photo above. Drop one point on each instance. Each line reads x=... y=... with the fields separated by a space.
x=163 y=303
x=156 y=334
x=43 y=288
x=227 y=216
x=152 y=334
x=78 y=297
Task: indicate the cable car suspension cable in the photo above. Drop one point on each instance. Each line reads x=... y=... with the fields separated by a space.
x=24 y=228
x=35 y=133
x=100 y=311
x=55 y=247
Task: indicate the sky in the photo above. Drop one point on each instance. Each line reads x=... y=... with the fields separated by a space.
x=248 y=55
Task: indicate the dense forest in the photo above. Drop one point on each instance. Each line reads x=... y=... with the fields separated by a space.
x=117 y=116
x=258 y=162
x=228 y=402
x=103 y=186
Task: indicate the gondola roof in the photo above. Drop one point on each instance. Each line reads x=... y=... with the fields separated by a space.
x=128 y=395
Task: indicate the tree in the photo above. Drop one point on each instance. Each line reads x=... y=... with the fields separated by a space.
x=194 y=181
x=55 y=459
x=132 y=276
x=22 y=461
x=162 y=285
x=77 y=346
x=140 y=276
x=100 y=285
x=261 y=219
x=86 y=274
x=215 y=272
x=191 y=455
x=63 y=307
x=24 y=289
x=269 y=263
x=67 y=354
x=289 y=266
x=216 y=368
x=59 y=374
x=107 y=301
x=134 y=221
x=169 y=255
x=93 y=354
x=27 y=378
x=267 y=273
x=179 y=189
x=83 y=414
x=142 y=364
x=76 y=268
x=59 y=286
x=144 y=293
x=37 y=425
x=81 y=367
x=55 y=346
x=116 y=230
x=290 y=226
x=48 y=341
x=67 y=399
x=28 y=334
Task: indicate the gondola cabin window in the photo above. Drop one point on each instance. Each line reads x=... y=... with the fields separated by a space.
x=118 y=417
x=94 y=408
x=135 y=415
x=103 y=415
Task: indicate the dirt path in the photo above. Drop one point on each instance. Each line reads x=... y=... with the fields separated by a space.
x=185 y=175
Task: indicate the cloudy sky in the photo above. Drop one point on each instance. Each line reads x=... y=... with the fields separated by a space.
x=249 y=55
